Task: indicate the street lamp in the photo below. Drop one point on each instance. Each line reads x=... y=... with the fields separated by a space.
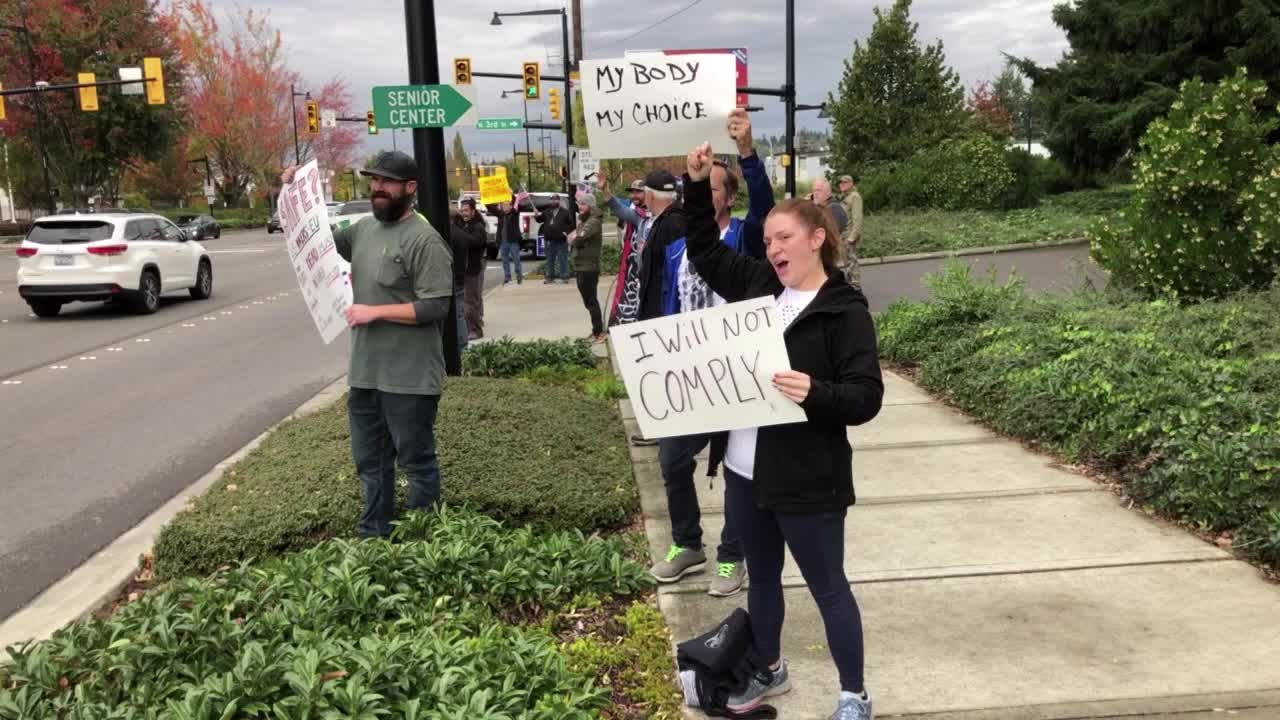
x=293 y=110
x=568 y=66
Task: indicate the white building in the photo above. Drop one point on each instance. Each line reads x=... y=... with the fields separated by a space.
x=809 y=167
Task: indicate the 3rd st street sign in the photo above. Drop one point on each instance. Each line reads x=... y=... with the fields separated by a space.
x=424 y=106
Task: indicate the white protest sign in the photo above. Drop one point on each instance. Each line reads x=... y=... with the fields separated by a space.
x=323 y=276
x=658 y=105
x=706 y=371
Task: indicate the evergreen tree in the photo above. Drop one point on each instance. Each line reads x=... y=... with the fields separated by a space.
x=896 y=97
x=460 y=159
x=1128 y=59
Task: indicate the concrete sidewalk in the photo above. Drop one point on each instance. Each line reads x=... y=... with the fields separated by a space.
x=994 y=584
x=533 y=310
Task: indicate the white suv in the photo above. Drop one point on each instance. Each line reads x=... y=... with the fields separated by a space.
x=109 y=256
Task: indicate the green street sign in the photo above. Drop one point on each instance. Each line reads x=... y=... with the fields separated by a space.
x=424 y=106
x=499 y=124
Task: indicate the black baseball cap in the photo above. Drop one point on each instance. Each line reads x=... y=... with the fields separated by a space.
x=660 y=181
x=637 y=186
x=394 y=165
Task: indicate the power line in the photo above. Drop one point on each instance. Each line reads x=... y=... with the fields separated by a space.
x=645 y=30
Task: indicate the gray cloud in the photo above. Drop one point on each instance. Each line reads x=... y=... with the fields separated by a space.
x=365 y=43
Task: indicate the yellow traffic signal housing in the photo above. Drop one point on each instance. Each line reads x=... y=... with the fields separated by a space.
x=373 y=125
x=154 y=75
x=462 y=71
x=1 y=102
x=313 y=117
x=532 y=74
x=553 y=98
x=88 y=95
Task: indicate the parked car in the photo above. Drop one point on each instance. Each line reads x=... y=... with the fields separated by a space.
x=273 y=224
x=200 y=227
x=130 y=257
x=349 y=213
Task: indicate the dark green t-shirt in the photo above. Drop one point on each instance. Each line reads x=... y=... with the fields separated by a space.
x=393 y=263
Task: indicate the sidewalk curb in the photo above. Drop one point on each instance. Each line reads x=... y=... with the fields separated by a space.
x=97 y=580
x=989 y=250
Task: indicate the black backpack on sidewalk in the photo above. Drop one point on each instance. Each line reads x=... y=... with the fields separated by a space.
x=719 y=663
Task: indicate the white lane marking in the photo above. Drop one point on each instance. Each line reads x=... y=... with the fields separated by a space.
x=11 y=382
x=226 y=312
x=57 y=367
x=88 y=357
x=257 y=302
x=210 y=317
x=188 y=324
x=115 y=349
x=143 y=340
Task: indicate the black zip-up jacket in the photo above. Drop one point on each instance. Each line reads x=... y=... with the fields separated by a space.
x=508 y=224
x=670 y=226
x=474 y=238
x=801 y=467
x=557 y=223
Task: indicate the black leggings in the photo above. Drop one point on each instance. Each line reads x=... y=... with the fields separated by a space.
x=817 y=543
x=588 y=283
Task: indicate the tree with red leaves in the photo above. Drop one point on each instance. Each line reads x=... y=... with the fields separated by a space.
x=989 y=113
x=52 y=41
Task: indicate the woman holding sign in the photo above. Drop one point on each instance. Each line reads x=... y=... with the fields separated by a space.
x=791 y=485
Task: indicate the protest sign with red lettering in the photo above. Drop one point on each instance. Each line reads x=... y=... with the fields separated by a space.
x=323 y=276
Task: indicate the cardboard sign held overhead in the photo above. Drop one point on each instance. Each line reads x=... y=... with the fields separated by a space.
x=494 y=189
x=658 y=105
x=706 y=371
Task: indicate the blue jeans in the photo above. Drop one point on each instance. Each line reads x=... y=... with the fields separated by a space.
x=557 y=260
x=387 y=428
x=510 y=252
x=817 y=543
x=676 y=457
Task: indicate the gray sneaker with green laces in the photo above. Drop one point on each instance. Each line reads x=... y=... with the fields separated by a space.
x=853 y=707
x=678 y=563
x=728 y=579
x=761 y=686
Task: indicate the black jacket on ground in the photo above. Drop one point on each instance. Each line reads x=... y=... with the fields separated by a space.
x=802 y=467
x=473 y=239
x=670 y=226
x=557 y=223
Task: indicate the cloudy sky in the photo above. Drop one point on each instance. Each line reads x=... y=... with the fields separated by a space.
x=365 y=42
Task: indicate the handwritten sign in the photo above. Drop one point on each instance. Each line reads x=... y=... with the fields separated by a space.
x=657 y=105
x=494 y=189
x=323 y=276
x=706 y=371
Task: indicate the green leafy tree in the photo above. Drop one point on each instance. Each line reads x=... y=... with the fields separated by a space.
x=1205 y=219
x=1127 y=60
x=460 y=159
x=896 y=96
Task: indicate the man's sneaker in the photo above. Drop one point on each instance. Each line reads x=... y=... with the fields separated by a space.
x=728 y=579
x=853 y=707
x=642 y=441
x=761 y=686
x=678 y=563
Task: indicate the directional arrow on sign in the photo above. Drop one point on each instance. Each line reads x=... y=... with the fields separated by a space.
x=424 y=106
x=499 y=124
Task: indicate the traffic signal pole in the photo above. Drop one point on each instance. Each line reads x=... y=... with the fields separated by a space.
x=428 y=149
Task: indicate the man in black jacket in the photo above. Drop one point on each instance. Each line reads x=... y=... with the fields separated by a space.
x=470 y=242
x=509 y=237
x=669 y=225
x=557 y=223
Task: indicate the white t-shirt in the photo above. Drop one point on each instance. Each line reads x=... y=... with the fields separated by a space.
x=691 y=288
x=740 y=456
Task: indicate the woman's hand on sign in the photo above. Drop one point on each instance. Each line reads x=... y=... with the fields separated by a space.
x=795 y=385
x=286 y=176
x=700 y=163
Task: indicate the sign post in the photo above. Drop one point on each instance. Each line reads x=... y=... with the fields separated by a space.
x=424 y=106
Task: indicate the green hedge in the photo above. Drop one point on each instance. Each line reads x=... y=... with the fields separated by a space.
x=520 y=452
x=508 y=358
x=416 y=628
x=1182 y=403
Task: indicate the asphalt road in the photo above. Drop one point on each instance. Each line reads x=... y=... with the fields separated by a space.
x=105 y=415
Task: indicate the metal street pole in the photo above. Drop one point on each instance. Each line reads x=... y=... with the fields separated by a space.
x=293 y=111
x=569 y=67
x=44 y=152
x=791 y=98
x=528 y=155
x=428 y=150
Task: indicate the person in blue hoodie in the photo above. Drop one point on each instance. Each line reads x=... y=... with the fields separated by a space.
x=684 y=291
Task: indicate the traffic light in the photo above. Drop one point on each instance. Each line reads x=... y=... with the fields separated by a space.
x=373 y=125
x=553 y=98
x=88 y=95
x=154 y=75
x=462 y=71
x=532 y=74
x=1 y=102
x=313 y=117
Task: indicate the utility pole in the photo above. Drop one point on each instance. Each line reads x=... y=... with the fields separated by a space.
x=428 y=150
x=44 y=152
x=577 y=39
x=791 y=98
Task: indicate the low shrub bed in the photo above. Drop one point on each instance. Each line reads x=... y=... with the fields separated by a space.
x=409 y=628
x=1180 y=403
x=521 y=452
x=508 y=358
x=1060 y=217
